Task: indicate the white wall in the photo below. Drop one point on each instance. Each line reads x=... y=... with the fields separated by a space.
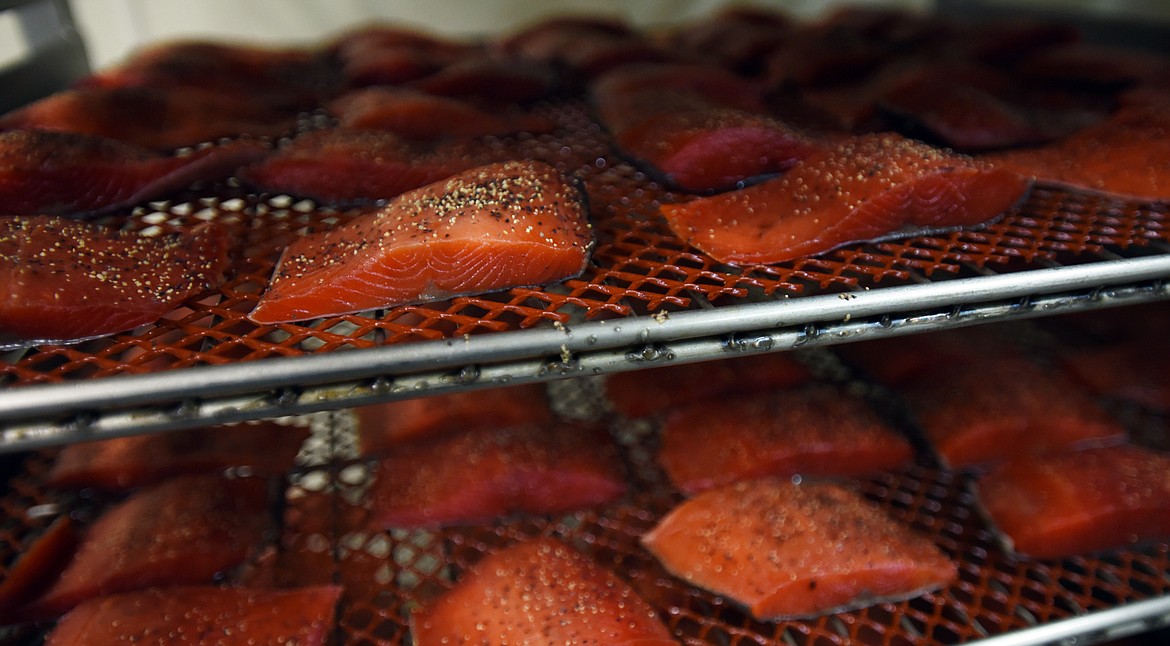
x=114 y=27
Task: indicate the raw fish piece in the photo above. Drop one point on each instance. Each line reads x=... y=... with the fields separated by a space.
x=384 y=426
x=494 y=227
x=288 y=77
x=381 y=54
x=1004 y=405
x=1075 y=503
x=539 y=591
x=714 y=149
x=63 y=173
x=391 y=65
x=659 y=390
x=787 y=550
x=202 y=615
x=184 y=531
x=491 y=79
x=476 y=477
x=737 y=38
x=352 y=166
x=896 y=362
x=814 y=432
x=120 y=464
x=421 y=116
x=1125 y=155
x=633 y=94
x=546 y=39
x=699 y=127
x=587 y=47
x=1093 y=64
x=67 y=281
x=868 y=187
x=1133 y=371
x=157 y=118
x=965 y=107
x=37 y=567
x=1005 y=42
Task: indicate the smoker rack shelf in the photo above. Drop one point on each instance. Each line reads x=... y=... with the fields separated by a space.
x=999 y=600
x=646 y=298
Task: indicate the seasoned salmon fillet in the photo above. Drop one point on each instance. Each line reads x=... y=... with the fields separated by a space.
x=539 y=591
x=184 y=531
x=786 y=550
x=497 y=226
x=1075 y=503
x=67 y=281
x=817 y=431
x=865 y=188
x=202 y=615
x=480 y=475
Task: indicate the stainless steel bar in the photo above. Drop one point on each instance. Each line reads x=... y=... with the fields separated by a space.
x=1092 y=628
x=51 y=414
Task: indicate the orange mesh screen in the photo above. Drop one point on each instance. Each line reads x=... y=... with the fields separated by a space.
x=638 y=267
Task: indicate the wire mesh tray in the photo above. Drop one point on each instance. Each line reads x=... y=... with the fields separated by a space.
x=646 y=295
x=999 y=598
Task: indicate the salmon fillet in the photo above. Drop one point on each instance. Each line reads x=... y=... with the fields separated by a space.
x=1125 y=155
x=867 y=188
x=815 y=431
x=381 y=427
x=659 y=390
x=786 y=550
x=45 y=172
x=1004 y=405
x=492 y=79
x=202 y=615
x=481 y=475
x=712 y=149
x=157 y=118
x=698 y=127
x=68 y=281
x=539 y=591
x=1075 y=503
x=37 y=567
x=184 y=531
x=350 y=166
x=285 y=77
x=498 y=226
x=421 y=116
x=121 y=464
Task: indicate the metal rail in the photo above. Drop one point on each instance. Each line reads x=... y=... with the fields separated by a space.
x=42 y=415
x=1092 y=628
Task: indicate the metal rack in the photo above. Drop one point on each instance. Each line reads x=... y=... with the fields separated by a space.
x=646 y=302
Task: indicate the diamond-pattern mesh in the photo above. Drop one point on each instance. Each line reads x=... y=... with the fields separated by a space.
x=638 y=267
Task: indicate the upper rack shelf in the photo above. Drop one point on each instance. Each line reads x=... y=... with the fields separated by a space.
x=647 y=298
